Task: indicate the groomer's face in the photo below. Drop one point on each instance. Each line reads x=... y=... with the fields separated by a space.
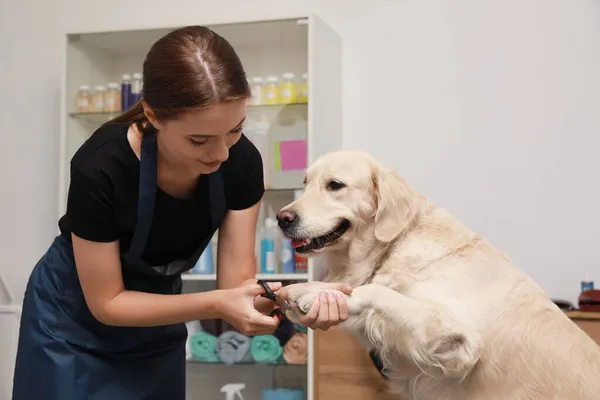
x=200 y=140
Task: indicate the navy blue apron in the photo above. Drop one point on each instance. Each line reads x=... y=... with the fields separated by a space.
x=64 y=353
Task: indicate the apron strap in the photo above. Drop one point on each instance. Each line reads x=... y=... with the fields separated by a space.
x=147 y=196
x=218 y=209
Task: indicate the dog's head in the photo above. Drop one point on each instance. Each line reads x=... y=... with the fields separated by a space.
x=346 y=194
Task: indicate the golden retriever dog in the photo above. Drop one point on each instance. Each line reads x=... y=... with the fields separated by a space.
x=450 y=315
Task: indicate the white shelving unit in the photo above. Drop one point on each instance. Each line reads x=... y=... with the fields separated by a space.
x=269 y=47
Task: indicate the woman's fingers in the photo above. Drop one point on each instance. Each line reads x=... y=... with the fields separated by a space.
x=334 y=314
x=342 y=306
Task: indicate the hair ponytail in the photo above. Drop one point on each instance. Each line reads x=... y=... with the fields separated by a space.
x=135 y=115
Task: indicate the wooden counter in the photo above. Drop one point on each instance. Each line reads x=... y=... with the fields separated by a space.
x=589 y=321
x=343 y=369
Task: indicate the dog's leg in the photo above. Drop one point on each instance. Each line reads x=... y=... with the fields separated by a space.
x=435 y=338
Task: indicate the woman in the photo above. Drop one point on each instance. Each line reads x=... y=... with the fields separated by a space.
x=103 y=315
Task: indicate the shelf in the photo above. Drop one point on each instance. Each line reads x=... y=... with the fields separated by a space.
x=241 y=364
x=271 y=277
x=102 y=117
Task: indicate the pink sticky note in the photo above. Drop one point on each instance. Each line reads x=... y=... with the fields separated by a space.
x=293 y=154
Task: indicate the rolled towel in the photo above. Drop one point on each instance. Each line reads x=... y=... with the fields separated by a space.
x=203 y=347
x=266 y=349
x=233 y=347
x=295 y=350
x=192 y=327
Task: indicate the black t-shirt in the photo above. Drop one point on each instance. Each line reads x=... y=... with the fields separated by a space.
x=102 y=202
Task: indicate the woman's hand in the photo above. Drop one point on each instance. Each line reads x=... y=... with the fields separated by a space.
x=237 y=306
x=327 y=310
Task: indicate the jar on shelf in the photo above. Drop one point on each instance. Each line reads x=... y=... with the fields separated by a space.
x=83 y=100
x=288 y=91
x=303 y=97
x=258 y=91
x=112 y=97
x=98 y=98
x=272 y=90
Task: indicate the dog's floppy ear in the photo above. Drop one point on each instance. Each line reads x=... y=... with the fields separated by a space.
x=397 y=204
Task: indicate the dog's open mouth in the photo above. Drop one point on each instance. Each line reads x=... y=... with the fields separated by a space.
x=311 y=244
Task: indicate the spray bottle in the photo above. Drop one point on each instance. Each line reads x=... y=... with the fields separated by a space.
x=233 y=391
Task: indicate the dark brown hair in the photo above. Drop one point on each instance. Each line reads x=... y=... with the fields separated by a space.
x=188 y=69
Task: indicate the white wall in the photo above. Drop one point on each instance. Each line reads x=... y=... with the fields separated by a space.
x=489 y=108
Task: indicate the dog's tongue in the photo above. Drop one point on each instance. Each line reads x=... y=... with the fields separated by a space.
x=297 y=243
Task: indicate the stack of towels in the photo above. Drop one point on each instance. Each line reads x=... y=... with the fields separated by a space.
x=232 y=347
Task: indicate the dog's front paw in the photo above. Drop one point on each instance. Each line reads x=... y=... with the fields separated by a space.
x=304 y=298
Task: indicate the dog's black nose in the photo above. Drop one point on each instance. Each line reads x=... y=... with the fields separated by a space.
x=286 y=219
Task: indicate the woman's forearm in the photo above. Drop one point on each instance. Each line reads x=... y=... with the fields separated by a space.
x=131 y=308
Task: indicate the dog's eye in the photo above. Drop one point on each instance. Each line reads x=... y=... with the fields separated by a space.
x=335 y=185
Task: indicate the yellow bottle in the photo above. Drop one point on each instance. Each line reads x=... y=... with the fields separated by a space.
x=303 y=97
x=288 y=91
x=272 y=90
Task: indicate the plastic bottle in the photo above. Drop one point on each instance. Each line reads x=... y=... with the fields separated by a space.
x=83 y=101
x=587 y=283
x=233 y=391
x=98 y=98
x=288 y=91
x=258 y=91
x=205 y=264
x=287 y=256
x=136 y=89
x=268 y=260
x=125 y=92
x=112 y=98
x=272 y=91
x=303 y=96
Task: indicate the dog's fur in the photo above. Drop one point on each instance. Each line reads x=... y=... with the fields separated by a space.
x=450 y=315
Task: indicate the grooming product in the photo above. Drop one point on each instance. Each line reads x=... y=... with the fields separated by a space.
x=83 y=101
x=267 y=247
x=258 y=91
x=286 y=255
x=205 y=264
x=98 y=98
x=303 y=95
x=112 y=98
x=258 y=133
x=282 y=394
x=125 y=92
x=272 y=90
x=136 y=89
x=587 y=283
x=288 y=91
x=233 y=391
x=301 y=262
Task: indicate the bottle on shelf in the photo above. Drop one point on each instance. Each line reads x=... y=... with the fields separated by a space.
x=136 y=89
x=125 y=92
x=83 y=100
x=287 y=255
x=98 y=98
x=303 y=95
x=258 y=134
x=272 y=91
x=258 y=91
x=112 y=98
x=288 y=91
x=268 y=260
